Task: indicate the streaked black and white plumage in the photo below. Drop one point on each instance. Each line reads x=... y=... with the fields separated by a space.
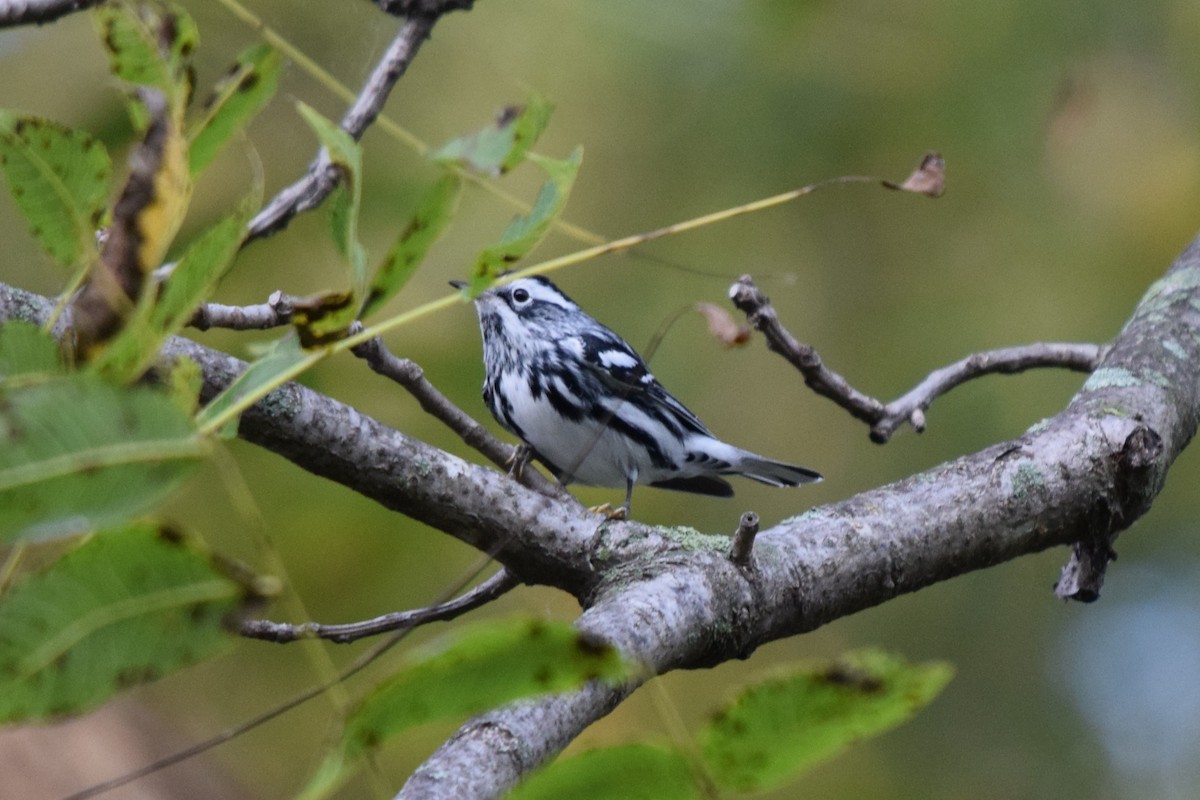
x=589 y=409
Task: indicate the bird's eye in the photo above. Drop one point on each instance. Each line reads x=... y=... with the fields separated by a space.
x=520 y=296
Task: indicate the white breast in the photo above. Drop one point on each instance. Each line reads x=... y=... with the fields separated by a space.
x=589 y=451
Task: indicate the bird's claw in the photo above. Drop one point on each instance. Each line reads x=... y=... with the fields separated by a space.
x=521 y=455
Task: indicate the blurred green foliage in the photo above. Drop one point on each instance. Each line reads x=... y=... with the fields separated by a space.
x=1070 y=132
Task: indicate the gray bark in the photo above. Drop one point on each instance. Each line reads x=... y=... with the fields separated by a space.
x=672 y=599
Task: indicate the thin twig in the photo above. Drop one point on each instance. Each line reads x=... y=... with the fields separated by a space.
x=409 y=374
x=500 y=583
x=910 y=408
x=234 y=731
x=274 y=313
x=322 y=176
x=1080 y=357
x=38 y=12
x=825 y=382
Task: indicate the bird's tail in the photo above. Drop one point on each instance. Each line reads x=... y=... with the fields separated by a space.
x=774 y=473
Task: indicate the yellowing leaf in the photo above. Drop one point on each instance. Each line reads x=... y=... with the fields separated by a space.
x=190 y=283
x=145 y=220
x=162 y=213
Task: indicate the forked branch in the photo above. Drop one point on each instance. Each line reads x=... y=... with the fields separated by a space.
x=323 y=176
x=910 y=408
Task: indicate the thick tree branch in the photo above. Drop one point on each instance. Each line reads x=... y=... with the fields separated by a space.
x=911 y=407
x=526 y=531
x=1082 y=476
x=39 y=12
x=674 y=600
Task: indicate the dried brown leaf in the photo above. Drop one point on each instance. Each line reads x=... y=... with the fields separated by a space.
x=928 y=179
x=722 y=326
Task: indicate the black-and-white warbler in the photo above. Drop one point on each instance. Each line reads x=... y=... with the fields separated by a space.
x=589 y=409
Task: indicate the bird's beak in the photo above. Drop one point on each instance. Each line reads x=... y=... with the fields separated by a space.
x=458 y=284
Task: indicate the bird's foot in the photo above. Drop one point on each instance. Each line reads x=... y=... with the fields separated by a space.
x=520 y=458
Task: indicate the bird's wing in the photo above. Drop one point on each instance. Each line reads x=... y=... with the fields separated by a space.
x=615 y=363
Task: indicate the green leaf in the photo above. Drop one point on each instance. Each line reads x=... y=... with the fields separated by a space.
x=781 y=727
x=235 y=100
x=326 y=317
x=27 y=355
x=150 y=44
x=201 y=268
x=59 y=180
x=343 y=222
x=484 y=665
x=343 y=150
x=502 y=145
x=524 y=233
x=427 y=225
x=126 y=607
x=284 y=361
x=190 y=283
x=479 y=667
x=78 y=454
x=625 y=772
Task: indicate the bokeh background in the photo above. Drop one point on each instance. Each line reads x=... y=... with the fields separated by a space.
x=1072 y=134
